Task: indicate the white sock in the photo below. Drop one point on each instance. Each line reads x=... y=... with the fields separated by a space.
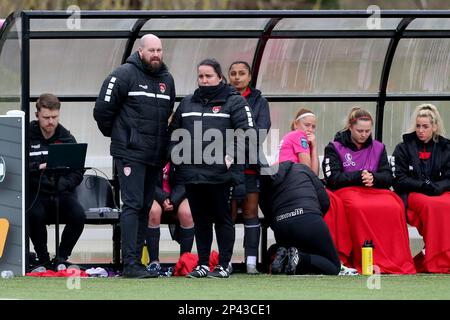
x=251 y=260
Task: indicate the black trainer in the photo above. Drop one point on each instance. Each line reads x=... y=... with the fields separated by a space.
x=279 y=263
x=200 y=271
x=293 y=260
x=137 y=271
x=219 y=272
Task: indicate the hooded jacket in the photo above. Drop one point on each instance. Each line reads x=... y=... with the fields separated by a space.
x=293 y=190
x=199 y=162
x=133 y=108
x=337 y=176
x=39 y=154
x=409 y=174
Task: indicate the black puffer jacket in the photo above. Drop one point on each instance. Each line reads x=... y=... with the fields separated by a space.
x=409 y=175
x=227 y=110
x=133 y=108
x=38 y=155
x=334 y=173
x=293 y=186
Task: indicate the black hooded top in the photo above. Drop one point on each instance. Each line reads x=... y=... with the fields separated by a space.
x=294 y=185
x=133 y=108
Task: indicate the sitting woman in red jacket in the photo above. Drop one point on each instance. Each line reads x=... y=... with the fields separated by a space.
x=356 y=166
x=422 y=178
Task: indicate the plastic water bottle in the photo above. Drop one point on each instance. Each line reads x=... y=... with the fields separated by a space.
x=367 y=258
x=7 y=274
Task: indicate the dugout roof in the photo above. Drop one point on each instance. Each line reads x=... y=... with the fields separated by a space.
x=328 y=61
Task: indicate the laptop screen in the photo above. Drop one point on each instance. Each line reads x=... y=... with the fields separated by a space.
x=66 y=156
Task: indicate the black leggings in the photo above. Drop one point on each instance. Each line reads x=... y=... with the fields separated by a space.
x=210 y=203
x=310 y=235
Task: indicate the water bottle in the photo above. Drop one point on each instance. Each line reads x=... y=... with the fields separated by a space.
x=7 y=274
x=367 y=257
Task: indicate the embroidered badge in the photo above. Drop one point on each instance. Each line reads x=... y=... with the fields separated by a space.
x=304 y=143
x=162 y=87
x=127 y=171
x=216 y=109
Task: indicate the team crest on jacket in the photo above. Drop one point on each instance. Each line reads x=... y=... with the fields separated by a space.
x=216 y=109
x=127 y=171
x=162 y=87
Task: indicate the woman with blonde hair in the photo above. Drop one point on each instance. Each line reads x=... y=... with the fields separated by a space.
x=299 y=145
x=357 y=168
x=422 y=178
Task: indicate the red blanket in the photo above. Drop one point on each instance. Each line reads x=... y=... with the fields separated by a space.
x=71 y=272
x=431 y=217
x=336 y=221
x=378 y=215
x=188 y=261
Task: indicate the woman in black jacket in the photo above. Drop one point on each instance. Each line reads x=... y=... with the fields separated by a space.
x=295 y=201
x=422 y=178
x=205 y=145
x=240 y=76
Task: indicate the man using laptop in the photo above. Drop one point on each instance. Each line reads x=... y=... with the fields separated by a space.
x=44 y=131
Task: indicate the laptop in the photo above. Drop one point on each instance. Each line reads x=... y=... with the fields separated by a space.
x=66 y=156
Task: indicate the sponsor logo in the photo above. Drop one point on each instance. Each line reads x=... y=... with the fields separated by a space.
x=348 y=160
x=127 y=171
x=162 y=87
x=291 y=214
x=36 y=146
x=216 y=109
x=143 y=87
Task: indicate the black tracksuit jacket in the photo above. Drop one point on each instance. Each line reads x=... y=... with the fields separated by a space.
x=293 y=186
x=133 y=108
x=39 y=153
x=227 y=110
x=340 y=179
x=409 y=174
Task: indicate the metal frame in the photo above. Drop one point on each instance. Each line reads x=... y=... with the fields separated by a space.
x=263 y=36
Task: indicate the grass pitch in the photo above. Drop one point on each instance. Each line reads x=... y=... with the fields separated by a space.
x=238 y=287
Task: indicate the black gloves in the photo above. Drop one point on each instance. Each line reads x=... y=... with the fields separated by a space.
x=431 y=188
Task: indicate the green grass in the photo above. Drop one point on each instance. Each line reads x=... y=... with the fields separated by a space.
x=238 y=287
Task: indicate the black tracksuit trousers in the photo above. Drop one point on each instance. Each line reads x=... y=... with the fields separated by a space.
x=137 y=187
x=210 y=203
x=43 y=213
x=310 y=235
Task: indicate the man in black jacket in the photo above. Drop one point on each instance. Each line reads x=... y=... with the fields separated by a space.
x=133 y=108
x=42 y=132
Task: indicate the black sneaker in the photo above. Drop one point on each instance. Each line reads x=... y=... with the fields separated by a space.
x=137 y=271
x=219 y=272
x=60 y=264
x=200 y=271
x=279 y=263
x=293 y=260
